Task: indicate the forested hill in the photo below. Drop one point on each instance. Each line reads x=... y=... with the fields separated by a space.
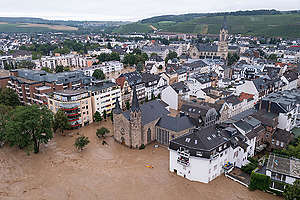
x=257 y=22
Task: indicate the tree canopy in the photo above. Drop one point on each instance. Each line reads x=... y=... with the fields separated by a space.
x=8 y=97
x=232 y=58
x=102 y=132
x=98 y=74
x=292 y=192
x=61 y=121
x=28 y=127
x=171 y=55
x=81 y=142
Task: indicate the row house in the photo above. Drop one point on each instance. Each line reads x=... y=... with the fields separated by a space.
x=127 y=81
x=154 y=84
x=260 y=87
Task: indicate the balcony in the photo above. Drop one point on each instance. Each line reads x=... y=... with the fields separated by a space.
x=183 y=161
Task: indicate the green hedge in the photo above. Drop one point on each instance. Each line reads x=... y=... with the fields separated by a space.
x=259 y=181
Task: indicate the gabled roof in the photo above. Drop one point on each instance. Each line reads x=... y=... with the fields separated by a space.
x=176 y=124
x=151 y=111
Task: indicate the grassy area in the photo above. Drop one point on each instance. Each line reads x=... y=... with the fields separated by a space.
x=20 y=27
x=134 y=27
x=284 y=25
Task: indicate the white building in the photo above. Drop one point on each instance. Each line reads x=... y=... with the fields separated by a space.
x=106 y=68
x=104 y=96
x=172 y=94
x=284 y=170
x=202 y=155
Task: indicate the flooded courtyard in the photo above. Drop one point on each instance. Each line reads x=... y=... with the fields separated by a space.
x=110 y=171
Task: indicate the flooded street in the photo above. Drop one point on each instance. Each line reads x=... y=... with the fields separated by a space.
x=112 y=171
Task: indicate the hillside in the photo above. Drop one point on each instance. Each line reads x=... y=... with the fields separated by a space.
x=284 y=25
x=23 y=24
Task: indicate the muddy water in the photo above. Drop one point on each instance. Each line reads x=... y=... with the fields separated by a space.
x=104 y=172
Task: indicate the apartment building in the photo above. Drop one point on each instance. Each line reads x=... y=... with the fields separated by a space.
x=77 y=105
x=32 y=86
x=104 y=95
x=204 y=154
x=70 y=60
x=105 y=67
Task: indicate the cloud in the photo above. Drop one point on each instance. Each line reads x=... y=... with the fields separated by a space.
x=131 y=9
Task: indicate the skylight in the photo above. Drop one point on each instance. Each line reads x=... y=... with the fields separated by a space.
x=209 y=138
x=187 y=139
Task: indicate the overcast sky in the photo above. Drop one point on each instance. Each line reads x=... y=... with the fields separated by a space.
x=131 y=10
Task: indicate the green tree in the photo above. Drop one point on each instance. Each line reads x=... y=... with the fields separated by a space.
x=111 y=116
x=114 y=56
x=25 y=64
x=97 y=117
x=102 y=132
x=4 y=117
x=292 y=192
x=29 y=126
x=61 y=121
x=171 y=55
x=160 y=67
x=127 y=105
x=153 y=54
x=46 y=69
x=273 y=57
x=104 y=114
x=140 y=67
x=109 y=45
x=81 y=142
x=98 y=74
x=9 y=97
x=59 y=69
x=137 y=51
x=232 y=58
x=36 y=55
x=103 y=57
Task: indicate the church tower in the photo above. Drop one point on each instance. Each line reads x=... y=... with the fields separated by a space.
x=223 y=40
x=135 y=122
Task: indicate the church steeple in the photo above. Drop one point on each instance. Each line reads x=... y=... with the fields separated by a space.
x=135 y=102
x=224 y=26
x=117 y=109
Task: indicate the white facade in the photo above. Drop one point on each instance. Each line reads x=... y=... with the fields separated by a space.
x=106 y=99
x=170 y=97
x=205 y=170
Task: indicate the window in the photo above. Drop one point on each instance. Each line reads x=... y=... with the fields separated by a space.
x=215 y=167
x=199 y=153
x=281 y=144
x=220 y=148
x=187 y=139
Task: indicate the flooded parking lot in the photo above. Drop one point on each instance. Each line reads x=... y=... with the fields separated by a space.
x=101 y=171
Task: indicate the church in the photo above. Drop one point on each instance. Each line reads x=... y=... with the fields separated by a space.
x=211 y=50
x=148 y=122
x=136 y=126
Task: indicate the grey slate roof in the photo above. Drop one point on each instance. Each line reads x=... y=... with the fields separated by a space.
x=151 y=111
x=176 y=124
x=207 y=48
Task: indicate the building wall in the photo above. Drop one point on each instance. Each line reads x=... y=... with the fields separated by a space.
x=122 y=129
x=170 y=97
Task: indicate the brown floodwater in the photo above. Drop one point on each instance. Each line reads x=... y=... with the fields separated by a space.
x=112 y=171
